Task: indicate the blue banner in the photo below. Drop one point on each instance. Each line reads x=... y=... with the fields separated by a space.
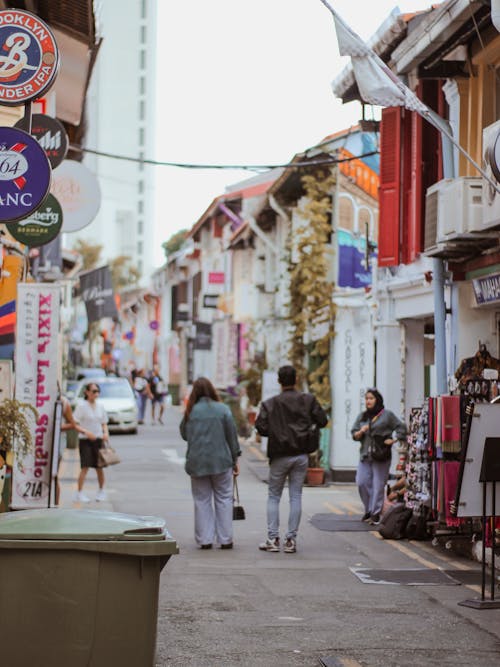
x=352 y=257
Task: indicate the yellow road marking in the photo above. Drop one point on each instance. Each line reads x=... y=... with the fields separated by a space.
x=408 y=552
x=352 y=507
x=456 y=564
x=333 y=509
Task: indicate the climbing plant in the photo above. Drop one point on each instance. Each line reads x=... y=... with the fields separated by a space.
x=312 y=310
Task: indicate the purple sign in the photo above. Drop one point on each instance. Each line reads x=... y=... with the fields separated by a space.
x=24 y=174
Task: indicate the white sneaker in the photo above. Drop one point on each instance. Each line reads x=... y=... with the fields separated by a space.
x=80 y=497
x=101 y=495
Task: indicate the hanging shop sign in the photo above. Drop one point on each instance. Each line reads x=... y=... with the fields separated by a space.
x=203 y=336
x=487 y=290
x=29 y=59
x=40 y=227
x=37 y=355
x=216 y=277
x=210 y=300
x=97 y=294
x=24 y=174
x=50 y=134
x=77 y=190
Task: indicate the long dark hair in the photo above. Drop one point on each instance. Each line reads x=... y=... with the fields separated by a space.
x=202 y=387
x=379 y=404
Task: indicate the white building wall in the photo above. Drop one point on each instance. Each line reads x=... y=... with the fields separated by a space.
x=475 y=324
x=120 y=119
x=352 y=372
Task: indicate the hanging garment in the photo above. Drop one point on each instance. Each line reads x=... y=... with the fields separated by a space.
x=450 y=426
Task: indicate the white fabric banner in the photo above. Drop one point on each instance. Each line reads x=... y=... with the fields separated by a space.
x=37 y=329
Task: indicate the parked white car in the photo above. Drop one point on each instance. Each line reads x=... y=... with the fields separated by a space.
x=117 y=398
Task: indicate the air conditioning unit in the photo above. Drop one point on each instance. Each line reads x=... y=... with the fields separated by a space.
x=453 y=211
x=491 y=198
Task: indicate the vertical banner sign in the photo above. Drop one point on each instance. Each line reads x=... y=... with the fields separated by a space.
x=36 y=383
x=97 y=294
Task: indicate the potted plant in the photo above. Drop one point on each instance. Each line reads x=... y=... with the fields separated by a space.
x=16 y=438
x=315 y=473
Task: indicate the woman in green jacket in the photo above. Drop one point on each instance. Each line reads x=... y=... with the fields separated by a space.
x=211 y=461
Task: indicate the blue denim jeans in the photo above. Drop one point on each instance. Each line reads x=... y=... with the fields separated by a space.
x=371 y=478
x=293 y=468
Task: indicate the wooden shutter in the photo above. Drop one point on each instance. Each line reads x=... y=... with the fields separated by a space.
x=390 y=187
x=412 y=219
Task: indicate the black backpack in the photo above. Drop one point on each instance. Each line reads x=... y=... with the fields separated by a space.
x=393 y=522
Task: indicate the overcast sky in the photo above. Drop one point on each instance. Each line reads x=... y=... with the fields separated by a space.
x=246 y=82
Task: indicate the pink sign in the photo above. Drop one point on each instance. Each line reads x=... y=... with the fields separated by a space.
x=216 y=277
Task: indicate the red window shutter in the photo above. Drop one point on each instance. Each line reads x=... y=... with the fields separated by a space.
x=390 y=186
x=412 y=219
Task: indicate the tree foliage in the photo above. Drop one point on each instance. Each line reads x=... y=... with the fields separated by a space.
x=124 y=273
x=90 y=253
x=174 y=242
x=312 y=310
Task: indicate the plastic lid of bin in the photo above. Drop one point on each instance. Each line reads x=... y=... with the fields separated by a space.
x=72 y=524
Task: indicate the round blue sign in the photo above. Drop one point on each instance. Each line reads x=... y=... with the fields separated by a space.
x=24 y=174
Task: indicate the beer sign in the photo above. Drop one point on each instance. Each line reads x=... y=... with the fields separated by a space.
x=41 y=227
x=24 y=174
x=50 y=134
x=29 y=57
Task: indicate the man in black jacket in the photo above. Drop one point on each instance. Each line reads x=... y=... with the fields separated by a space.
x=290 y=420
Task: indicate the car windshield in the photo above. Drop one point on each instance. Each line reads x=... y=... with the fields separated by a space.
x=119 y=389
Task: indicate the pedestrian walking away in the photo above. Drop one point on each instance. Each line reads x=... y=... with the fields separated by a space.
x=93 y=434
x=377 y=429
x=142 y=392
x=286 y=419
x=159 y=391
x=211 y=462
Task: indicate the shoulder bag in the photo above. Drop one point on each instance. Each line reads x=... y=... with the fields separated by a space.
x=377 y=449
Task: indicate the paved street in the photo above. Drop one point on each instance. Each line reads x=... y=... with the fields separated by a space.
x=246 y=607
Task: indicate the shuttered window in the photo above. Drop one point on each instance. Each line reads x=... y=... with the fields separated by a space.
x=390 y=187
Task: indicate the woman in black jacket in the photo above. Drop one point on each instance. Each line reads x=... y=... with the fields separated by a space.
x=375 y=429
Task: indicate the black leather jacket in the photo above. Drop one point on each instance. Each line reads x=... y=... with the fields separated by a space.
x=283 y=418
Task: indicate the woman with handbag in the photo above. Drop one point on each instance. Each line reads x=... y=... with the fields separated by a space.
x=211 y=461
x=91 y=416
x=375 y=429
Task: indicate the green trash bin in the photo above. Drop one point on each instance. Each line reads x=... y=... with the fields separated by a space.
x=80 y=587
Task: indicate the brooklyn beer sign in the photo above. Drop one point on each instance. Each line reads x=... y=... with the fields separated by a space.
x=29 y=58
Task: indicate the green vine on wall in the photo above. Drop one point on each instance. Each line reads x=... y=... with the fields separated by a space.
x=312 y=310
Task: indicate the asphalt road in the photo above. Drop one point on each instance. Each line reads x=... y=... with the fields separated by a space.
x=246 y=607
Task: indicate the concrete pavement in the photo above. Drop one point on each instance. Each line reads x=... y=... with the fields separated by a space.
x=246 y=607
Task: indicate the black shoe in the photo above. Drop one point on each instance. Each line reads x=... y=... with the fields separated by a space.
x=206 y=546
x=375 y=519
x=366 y=516
x=227 y=546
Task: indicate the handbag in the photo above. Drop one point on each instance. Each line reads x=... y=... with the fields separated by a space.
x=238 y=509
x=378 y=450
x=107 y=456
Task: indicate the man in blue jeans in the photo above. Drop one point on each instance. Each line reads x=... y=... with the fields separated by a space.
x=286 y=419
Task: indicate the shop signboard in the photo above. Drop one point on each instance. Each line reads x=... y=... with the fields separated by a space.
x=50 y=134
x=216 y=277
x=37 y=357
x=77 y=190
x=203 y=336
x=30 y=57
x=40 y=227
x=210 y=300
x=97 y=294
x=24 y=174
x=487 y=289
x=352 y=260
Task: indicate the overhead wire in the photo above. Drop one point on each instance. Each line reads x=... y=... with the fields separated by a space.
x=185 y=165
